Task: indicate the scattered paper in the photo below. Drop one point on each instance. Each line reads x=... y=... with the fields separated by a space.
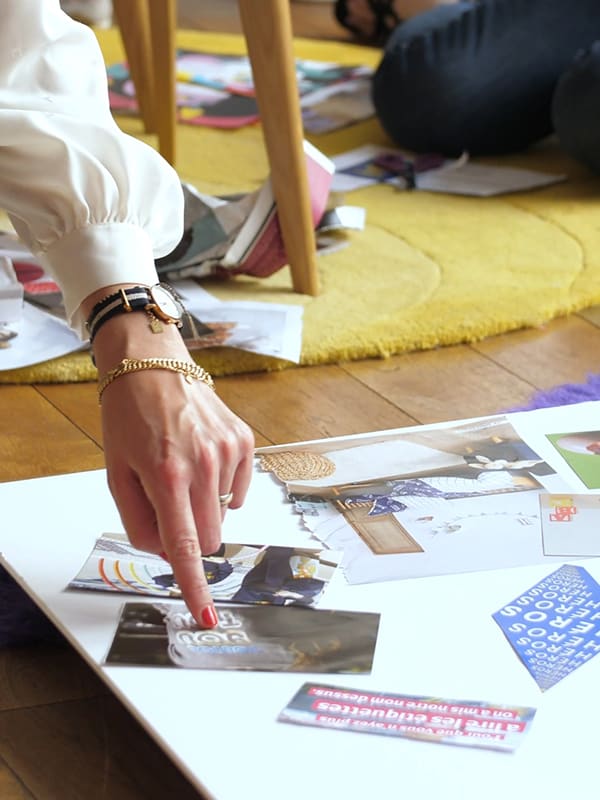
x=372 y=164
x=338 y=106
x=241 y=573
x=341 y=218
x=222 y=237
x=570 y=524
x=11 y=293
x=484 y=180
x=266 y=638
x=446 y=499
x=38 y=336
x=241 y=235
x=217 y=90
x=264 y=328
x=212 y=90
x=554 y=627
x=270 y=329
x=430 y=719
x=581 y=451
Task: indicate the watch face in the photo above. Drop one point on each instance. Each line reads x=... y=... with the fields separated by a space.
x=167 y=306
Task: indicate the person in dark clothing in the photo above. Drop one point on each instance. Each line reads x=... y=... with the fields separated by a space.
x=490 y=77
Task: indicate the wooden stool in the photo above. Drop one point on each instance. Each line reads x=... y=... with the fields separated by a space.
x=148 y=32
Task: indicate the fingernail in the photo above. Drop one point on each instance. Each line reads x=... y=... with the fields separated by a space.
x=209 y=617
x=164 y=555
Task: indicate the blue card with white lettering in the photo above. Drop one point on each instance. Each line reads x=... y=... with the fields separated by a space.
x=554 y=627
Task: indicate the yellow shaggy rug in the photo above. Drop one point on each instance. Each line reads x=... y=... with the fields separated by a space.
x=428 y=270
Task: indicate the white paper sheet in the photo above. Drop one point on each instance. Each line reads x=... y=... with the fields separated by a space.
x=40 y=337
x=356 y=169
x=270 y=329
x=484 y=180
x=570 y=524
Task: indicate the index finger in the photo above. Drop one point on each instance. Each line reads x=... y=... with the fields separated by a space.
x=177 y=531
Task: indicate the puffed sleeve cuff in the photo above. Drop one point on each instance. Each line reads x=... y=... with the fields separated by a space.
x=99 y=255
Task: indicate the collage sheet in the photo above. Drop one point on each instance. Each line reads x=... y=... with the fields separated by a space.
x=470 y=496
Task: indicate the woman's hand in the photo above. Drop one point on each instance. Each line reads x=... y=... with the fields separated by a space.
x=171 y=449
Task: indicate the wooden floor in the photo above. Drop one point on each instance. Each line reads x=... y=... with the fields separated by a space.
x=62 y=736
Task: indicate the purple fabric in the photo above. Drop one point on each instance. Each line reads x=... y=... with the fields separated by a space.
x=564 y=395
x=21 y=622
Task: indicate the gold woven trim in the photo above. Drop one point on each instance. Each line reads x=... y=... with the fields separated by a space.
x=297 y=465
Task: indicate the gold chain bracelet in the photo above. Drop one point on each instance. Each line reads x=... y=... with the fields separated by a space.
x=190 y=371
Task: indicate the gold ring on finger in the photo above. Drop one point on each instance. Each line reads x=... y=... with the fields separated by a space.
x=225 y=499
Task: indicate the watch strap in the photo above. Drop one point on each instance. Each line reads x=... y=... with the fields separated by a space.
x=136 y=298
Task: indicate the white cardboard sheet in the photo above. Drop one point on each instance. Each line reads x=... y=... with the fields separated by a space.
x=436 y=638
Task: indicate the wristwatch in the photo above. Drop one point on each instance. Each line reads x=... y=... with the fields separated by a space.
x=160 y=302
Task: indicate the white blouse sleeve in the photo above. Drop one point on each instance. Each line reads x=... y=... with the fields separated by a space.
x=95 y=205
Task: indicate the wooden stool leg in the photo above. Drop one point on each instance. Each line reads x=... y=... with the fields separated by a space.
x=269 y=41
x=163 y=22
x=134 y=24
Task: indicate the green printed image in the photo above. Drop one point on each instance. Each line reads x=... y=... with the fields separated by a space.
x=581 y=451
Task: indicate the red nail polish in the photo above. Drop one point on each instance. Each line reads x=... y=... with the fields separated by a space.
x=209 y=617
x=164 y=555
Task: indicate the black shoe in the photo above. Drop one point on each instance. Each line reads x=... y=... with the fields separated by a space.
x=385 y=19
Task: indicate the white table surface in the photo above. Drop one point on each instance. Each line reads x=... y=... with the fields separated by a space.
x=436 y=638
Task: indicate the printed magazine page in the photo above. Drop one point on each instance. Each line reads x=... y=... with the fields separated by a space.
x=241 y=573
x=570 y=524
x=427 y=501
x=265 y=638
x=241 y=234
x=431 y=719
x=258 y=247
x=217 y=90
x=581 y=451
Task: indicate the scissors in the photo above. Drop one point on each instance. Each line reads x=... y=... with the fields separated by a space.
x=406 y=168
